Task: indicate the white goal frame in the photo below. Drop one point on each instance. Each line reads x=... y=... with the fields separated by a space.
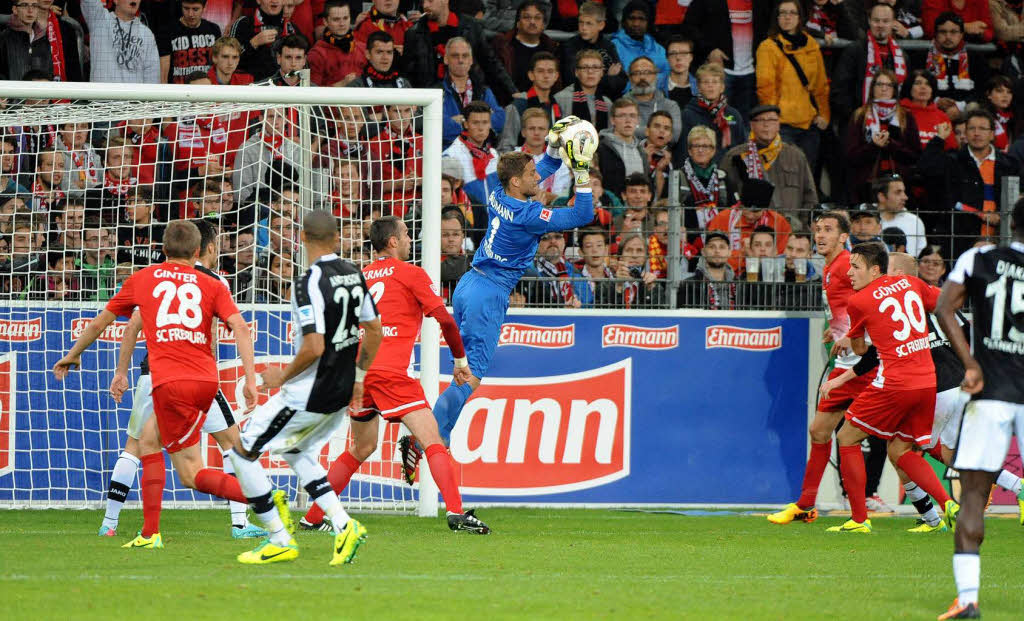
x=428 y=99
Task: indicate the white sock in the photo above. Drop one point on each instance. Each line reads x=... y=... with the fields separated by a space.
x=120 y=484
x=1009 y=481
x=256 y=486
x=967 y=573
x=914 y=492
x=239 y=510
x=313 y=477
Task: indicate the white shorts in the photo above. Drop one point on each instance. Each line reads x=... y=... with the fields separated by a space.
x=218 y=417
x=986 y=432
x=949 y=409
x=277 y=428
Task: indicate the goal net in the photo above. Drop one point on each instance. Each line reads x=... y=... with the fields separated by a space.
x=91 y=174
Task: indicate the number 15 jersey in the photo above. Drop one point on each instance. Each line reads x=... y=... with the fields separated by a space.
x=893 y=310
x=177 y=304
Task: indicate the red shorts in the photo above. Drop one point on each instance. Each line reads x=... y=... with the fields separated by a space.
x=180 y=407
x=907 y=414
x=391 y=395
x=841 y=398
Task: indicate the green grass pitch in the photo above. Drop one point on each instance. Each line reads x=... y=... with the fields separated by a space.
x=538 y=564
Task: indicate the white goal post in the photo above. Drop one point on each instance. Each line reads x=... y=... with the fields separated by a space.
x=66 y=466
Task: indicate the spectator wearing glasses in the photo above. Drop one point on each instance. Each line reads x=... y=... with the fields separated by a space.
x=791 y=75
x=590 y=37
x=24 y=45
x=516 y=48
x=881 y=138
x=582 y=98
x=682 y=85
x=705 y=187
x=960 y=75
x=711 y=108
x=976 y=17
x=862 y=61
x=121 y=47
x=464 y=85
x=643 y=78
x=634 y=41
x=766 y=156
x=932 y=265
x=619 y=153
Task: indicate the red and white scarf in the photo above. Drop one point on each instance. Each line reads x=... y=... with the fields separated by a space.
x=879 y=116
x=88 y=174
x=56 y=39
x=287 y=27
x=1002 y=137
x=45 y=197
x=874 y=63
x=820 y=22
x=760 y=160
x=119 y=187
x=938 y=63
x=558 y=273
x=482 y=156
x=716 y=109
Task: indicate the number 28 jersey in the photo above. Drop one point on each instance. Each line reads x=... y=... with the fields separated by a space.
x=177 y=304
x=329 y=299
x=893 y=311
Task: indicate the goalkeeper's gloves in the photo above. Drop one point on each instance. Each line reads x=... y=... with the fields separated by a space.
x=578 y=156
x=554 y=138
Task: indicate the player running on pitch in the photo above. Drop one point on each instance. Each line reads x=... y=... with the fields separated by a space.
x=330 y=303
x=993 y=278
x=899 y=405
x=831 y=232
x=516 y=223
x=404 y=295
x=950 y=400
x=177 y=304
x=142 y=446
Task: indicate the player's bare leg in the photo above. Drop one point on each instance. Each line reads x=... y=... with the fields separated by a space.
x=851 y=464
x=364 y=443
x=975 y=486
x=820 y=430
x=227 y=439
x=423 y=426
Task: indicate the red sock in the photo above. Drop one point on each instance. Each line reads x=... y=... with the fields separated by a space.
x=921 y=473
x=444 y=475
x=936 y=452
x=216 y=483
x=816 y=464
x=339 y=474
x=151 y=486
x=855 y=477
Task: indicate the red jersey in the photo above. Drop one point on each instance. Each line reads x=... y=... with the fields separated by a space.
x=403 y=294
x=177 y=304
x=893 y=311
x=197 y=139
x=836 y=290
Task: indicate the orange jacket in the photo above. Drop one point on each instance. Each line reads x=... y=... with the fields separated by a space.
x=732 y=223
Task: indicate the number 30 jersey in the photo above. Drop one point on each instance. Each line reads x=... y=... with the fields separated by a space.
x=994 y=279
x=329 y=299
x=893 y=311
x=177 y=304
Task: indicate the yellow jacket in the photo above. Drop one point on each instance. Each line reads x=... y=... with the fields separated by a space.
x=778 y=83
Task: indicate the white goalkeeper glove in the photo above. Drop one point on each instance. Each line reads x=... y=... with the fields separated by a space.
x=554 y=138
x=578 y=155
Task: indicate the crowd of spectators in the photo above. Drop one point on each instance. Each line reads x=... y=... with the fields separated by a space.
x=749 y=115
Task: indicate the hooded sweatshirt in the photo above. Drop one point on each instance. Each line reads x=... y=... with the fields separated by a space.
x=927 y=118
x=123 y=52
x=660 y=102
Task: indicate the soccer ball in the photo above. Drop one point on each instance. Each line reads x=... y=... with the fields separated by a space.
x=579 y=133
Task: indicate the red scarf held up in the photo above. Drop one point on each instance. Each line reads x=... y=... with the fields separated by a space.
x=717 y=110
x=1002 y=137
x=874 y=63
x=56 y=39
x=439 y=46
x=878 y=117
x=482 y=156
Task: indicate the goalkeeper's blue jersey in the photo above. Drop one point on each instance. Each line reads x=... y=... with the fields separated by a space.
x=514 y=228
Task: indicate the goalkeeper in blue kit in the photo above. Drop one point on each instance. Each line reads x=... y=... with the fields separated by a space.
x=515 y=225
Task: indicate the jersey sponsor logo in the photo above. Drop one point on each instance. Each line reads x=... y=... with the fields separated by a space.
x=905 y=349
x=545 y=435
x=114 y=333
x=389 y=331
x=20 y=330
x=732 y=337
x=541 y=337
x=545 y=215
x=7 y=397
x=225 y=336
x=637 y=337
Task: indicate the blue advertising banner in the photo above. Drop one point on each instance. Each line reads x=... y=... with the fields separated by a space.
x=578 y=408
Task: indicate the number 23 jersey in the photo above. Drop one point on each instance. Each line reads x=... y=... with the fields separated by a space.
x=177 y=304
x=329 y=299
x=893 y=310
